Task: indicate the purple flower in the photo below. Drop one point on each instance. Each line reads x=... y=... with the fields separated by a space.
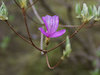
x=51 y=23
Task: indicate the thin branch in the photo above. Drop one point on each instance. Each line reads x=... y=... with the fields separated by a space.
x=24 y=14
x=69 y=26
x=33 y=20
x=78 y=29
x=32 y=4
x=17 y=4
x=18 y=33
x=35 y=12
x=27 y=28
x=47 y=60
x=39 y=18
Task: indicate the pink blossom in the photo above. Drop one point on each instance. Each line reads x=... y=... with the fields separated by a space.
x=51 y=23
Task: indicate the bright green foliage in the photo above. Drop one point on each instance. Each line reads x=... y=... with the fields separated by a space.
x=68 y=48
x=5 y=42
x=23 y=3
x=3 y=12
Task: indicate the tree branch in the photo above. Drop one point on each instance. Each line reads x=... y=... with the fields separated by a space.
x=18 y=33
x=47 y=60
x=24 y=14
x=71 y=36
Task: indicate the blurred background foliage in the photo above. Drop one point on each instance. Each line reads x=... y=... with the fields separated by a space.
x=19 y=58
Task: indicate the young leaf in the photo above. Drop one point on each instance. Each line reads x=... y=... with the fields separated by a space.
x=95 y=11
x=78 y=9
x=99 y=11
x=3 y=12
x=84 y=11
x=23 y=3
x=90 y=10
x=68 y=48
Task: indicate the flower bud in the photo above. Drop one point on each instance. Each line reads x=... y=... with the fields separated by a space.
x=3 y=12
x=23 y=3
x=68 y=48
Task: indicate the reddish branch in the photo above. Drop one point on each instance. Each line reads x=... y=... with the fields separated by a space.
x=18 y=33
x=77 y=30
x=24 y=14
x=47 y=60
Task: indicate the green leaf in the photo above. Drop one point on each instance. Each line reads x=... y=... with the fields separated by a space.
x=3 y=12
x=95 y=13
x=88 y=13
x=84 y=11
x=68 y=48
x=78 y=9
x=90 y=10
x=99 y=11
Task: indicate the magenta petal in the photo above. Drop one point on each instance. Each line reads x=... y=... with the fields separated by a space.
x=42 y=31
x=55 y=22
x=57 y=34
x=48 y=21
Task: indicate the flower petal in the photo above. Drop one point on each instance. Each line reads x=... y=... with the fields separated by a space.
x=42 y=31
x=57 y=34
x=51 y=23
x=55 y=22
x=48 y=21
